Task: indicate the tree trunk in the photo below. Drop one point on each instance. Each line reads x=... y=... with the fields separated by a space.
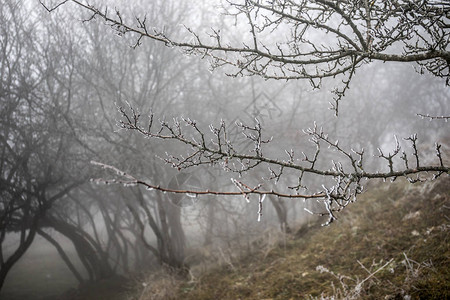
x=94 y=261
x=63 y=255
x=280 y=208
x=20 y=251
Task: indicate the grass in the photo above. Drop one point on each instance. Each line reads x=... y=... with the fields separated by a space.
x=392 y=244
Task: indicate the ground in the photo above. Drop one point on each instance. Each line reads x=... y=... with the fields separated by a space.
x=393 y=243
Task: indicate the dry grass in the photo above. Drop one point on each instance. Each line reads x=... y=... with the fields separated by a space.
x=392 y=244
x=159 y=285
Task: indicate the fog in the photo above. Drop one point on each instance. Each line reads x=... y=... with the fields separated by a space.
x=63 y=82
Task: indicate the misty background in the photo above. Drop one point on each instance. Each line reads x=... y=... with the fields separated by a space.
x=62 y=81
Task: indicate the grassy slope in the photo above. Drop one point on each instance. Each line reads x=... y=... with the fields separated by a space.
x=407 y=224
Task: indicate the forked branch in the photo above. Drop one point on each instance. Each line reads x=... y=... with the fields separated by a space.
x=214 y=148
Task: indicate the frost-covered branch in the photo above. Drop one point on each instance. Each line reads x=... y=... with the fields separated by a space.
x=320 y=38
x=430 y=117
x=216 y=147
x=347 y=169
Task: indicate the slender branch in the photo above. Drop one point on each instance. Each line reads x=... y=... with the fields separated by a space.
x=422 y=30
x=347 y=169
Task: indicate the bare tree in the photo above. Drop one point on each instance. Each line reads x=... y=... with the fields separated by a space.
x=37 y=167
x=140 y=77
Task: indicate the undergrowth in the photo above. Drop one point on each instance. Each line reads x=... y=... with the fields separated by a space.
x=392 y=244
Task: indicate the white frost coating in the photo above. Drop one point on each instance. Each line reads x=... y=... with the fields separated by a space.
x=260 y=206
x=241 y=188
x=262 y=198
x=307 y=210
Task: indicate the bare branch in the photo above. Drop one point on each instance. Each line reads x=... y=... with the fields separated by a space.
x=325 y=38
x=347 y=170
x=428 y=116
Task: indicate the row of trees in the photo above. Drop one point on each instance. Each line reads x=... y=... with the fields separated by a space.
x=65 y=86
x=59 y=89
